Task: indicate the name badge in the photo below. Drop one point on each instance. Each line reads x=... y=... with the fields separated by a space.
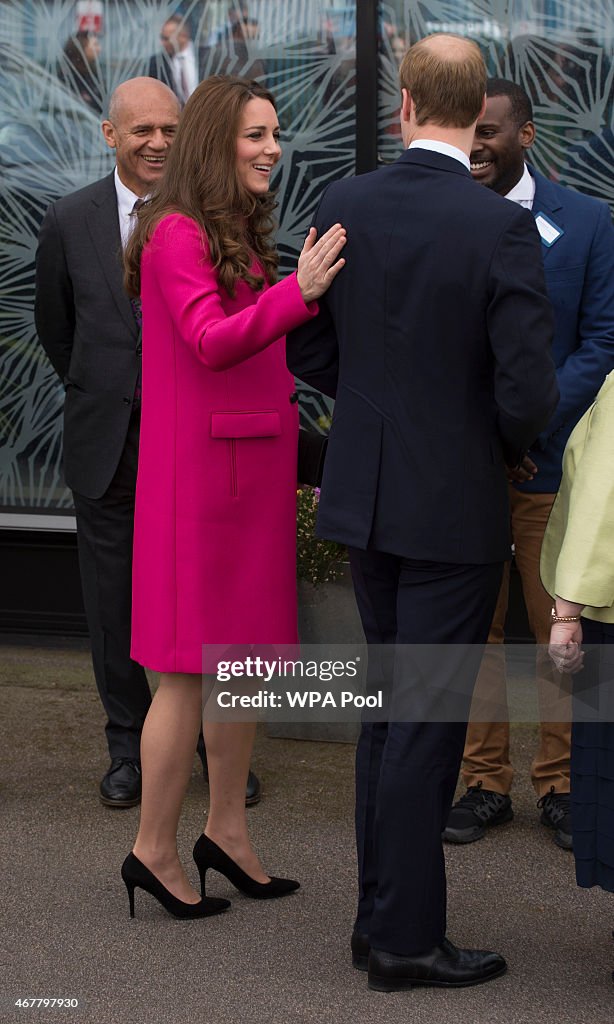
x=549 y=231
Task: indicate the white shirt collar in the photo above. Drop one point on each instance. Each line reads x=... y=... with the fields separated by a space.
x=442 y=147
x=188 y=51
x=125 y=203
x=523 y=191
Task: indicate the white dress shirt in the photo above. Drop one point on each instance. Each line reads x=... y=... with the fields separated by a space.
x=523 y=191
x=125 y=205
x=442 y=147
x=185 y=60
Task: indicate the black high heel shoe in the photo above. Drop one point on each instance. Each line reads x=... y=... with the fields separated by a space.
x=135 y=874
x=208 y=854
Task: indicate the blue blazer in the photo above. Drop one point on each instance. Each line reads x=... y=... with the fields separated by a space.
x=579 y=269
x=435 y=339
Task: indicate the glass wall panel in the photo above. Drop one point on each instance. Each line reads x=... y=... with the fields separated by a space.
x=559 y=50
x=52 y=94
x=54 y=87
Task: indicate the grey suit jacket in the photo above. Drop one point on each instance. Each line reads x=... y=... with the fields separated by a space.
x=87 y=327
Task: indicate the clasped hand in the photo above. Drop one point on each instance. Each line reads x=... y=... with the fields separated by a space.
x=565 y=648
x=316 y=265
x=526 y=470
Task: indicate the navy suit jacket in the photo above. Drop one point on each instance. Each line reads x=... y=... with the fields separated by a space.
x=160 y=67
x=579 y=270
x=435 y=340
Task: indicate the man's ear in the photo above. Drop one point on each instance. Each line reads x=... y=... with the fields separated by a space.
x=108 y=130
x=527 y=134
x=405 y=105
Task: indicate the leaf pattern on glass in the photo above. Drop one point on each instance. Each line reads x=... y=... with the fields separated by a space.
x=560 y=51
x=51 y=144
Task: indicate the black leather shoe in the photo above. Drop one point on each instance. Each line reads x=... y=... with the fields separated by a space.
x=444 y=966
x=121 y=786
x=253 y=790
x=360 y=950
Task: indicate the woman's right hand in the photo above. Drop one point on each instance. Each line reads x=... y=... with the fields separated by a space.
x=316 y=264
x=565 y=647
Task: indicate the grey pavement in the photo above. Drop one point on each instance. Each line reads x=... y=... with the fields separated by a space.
x=66 y=931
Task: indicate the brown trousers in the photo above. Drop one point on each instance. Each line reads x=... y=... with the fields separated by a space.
x=487 y=749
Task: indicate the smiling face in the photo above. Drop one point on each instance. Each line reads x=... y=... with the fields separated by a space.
x=258 y=148
x=141 y=129
x=500 y=145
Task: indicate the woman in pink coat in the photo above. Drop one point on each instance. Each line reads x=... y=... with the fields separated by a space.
x=214 y=536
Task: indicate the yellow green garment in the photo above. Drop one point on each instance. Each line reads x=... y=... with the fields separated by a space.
x=577 y=558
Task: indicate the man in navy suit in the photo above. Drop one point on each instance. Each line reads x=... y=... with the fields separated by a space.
x=178 y=65
x=435 y=342
x=578 y=255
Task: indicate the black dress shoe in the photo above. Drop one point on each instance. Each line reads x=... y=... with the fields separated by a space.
x=208 y=854
x=121 y=786
x=135 y=874
x=445 y=966
x=253 y=790
x=360 y=950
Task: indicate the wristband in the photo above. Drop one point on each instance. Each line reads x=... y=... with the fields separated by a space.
x=562 y=618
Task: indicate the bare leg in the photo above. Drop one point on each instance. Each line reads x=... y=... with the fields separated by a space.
x=229 y=750
x=168 y=743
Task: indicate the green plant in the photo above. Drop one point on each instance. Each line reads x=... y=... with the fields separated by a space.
x=317 y=561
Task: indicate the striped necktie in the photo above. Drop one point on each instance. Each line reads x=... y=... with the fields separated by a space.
x=136 y=303
x=137 y=311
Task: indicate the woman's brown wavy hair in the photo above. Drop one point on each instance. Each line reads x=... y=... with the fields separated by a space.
x=201 y=181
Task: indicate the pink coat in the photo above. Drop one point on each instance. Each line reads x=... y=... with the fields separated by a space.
x=215 y=518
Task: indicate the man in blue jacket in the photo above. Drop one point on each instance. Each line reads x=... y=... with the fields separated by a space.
x=435 y=340
x=578 y=252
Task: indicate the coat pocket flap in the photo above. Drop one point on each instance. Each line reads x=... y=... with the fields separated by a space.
x=245 y=424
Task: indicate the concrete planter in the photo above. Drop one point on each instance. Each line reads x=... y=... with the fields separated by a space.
x=326 y=614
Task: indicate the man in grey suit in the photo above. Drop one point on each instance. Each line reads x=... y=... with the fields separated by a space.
x=90 y=331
